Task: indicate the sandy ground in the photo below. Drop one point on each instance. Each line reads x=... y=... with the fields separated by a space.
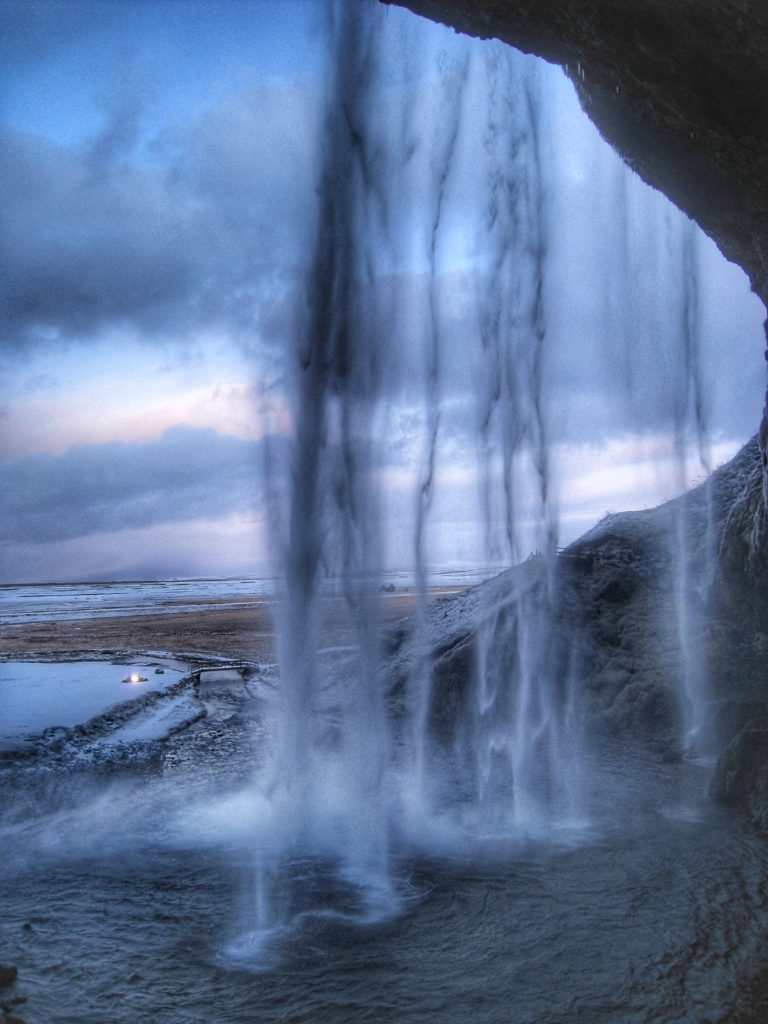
x=242 y=633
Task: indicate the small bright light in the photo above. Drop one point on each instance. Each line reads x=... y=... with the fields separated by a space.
x=135 y=678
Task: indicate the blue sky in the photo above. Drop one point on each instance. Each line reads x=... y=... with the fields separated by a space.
x=159 y=164
x=68 y=64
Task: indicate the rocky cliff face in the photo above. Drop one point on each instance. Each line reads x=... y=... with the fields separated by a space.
x=633 y=578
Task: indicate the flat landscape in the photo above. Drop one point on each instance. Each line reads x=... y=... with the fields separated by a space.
x=214 y=626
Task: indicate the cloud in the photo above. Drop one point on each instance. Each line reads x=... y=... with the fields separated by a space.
x=80 y=253
x=212 y=229
x=223 y=547
x=208 y=233
x=167 y=229
x=187 y=474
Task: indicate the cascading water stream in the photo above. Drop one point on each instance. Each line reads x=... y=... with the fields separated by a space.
x=442 y=155
x=526 y=748
x=325 y=780
x=696 y=545
x=358 y=776
x=693 y=554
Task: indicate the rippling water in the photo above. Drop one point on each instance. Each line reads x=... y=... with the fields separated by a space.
x=60 y=602
x=121 y=895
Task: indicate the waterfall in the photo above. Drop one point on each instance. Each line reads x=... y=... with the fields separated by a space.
x=335 y=393
x=325 y=777
x=437 y=295
x=520 y=728
x=695 y=549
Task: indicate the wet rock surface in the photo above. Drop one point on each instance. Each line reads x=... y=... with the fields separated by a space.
x=614 y=576
x=634 y=574
x=615 y=602
x=741 y=777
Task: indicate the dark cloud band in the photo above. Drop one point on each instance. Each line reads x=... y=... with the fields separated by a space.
x=186 y=474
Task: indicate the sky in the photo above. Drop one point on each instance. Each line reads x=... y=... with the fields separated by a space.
x=159 y=163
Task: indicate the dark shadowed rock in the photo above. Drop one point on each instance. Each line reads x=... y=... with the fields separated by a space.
x=8 y=975
x=625 y=576
x=741 y=776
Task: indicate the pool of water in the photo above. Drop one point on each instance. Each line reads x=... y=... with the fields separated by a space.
x=124 y=893
x=38 y=695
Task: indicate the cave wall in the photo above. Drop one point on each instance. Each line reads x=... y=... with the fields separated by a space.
x=680 y=89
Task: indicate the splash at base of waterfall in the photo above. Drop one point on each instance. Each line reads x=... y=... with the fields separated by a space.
x=485 y=752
